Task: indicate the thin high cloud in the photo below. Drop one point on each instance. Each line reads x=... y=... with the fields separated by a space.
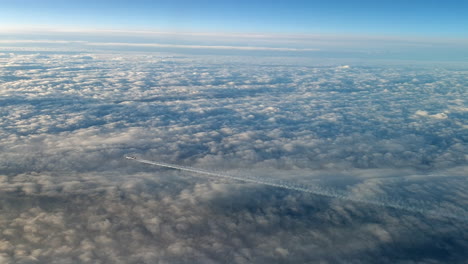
x=228 y=35
x=340 y=46
x=155 y=45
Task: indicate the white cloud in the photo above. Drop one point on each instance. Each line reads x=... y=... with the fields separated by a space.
x=434 y=116
x=84 y=44
x=156 y=45
x=67 y=120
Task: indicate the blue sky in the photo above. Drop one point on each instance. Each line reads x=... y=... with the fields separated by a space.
x=397 y=18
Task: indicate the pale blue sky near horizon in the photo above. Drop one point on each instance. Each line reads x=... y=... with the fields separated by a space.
x=393 y=18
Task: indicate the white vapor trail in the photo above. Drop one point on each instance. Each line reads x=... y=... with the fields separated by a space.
x=317 y=190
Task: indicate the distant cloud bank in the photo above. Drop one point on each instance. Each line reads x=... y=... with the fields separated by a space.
x=356 y=47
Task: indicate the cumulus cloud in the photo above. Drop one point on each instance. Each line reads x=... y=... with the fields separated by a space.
x=434 y=116
x=67 y=194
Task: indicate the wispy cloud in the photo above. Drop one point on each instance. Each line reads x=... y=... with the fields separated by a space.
x=252 y=42
x=155 y=45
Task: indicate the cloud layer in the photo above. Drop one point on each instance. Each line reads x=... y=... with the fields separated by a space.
x=381 y=132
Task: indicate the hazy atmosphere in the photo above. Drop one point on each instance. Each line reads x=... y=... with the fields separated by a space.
x=373 y=126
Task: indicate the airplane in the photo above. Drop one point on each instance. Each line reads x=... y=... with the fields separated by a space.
x=130 y=157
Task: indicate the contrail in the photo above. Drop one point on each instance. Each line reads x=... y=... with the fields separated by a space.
x=317 y=190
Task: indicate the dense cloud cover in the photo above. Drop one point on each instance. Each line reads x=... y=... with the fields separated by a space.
x=380 y=132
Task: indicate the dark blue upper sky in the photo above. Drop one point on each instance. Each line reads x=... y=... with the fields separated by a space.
x=399 y=17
